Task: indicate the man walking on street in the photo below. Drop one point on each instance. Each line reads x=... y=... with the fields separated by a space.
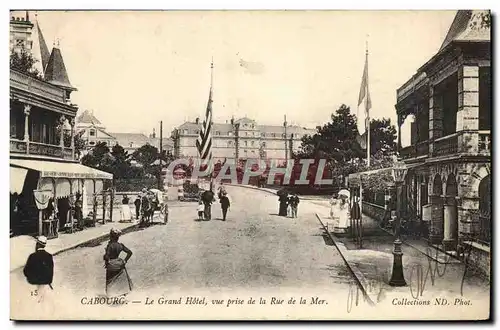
x=208 y=197
x=39 y=269
x=225 y=204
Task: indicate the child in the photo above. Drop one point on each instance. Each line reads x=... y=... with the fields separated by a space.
x=201 y=209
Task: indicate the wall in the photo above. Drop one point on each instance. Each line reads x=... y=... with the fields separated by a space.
x=374 y=211
x=479 y=257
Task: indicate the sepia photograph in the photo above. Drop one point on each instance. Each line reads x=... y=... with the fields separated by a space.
x=250 y=165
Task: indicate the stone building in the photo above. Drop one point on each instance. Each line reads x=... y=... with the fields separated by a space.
x=241 y=139
x=449 y=159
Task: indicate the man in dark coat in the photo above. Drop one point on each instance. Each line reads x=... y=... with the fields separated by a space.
x=224 y=204
x=208 y=198
x=137 y=204
x=39 y=268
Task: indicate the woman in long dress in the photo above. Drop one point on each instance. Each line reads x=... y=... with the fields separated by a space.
x=117 y=280
x=126 y=212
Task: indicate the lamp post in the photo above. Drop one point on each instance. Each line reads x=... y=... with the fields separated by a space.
x=399 y=171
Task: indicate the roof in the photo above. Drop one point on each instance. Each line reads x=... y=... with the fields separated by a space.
x=87 y=117
x=263 y=128
x=61 y=170
x=55 y=72
x=124 y=139
x=44 y=51
x=467 y=26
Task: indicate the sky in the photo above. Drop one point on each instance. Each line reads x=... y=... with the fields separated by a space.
x=135 y=69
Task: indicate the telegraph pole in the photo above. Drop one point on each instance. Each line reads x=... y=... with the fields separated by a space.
x=160 y=158
x=286 y=146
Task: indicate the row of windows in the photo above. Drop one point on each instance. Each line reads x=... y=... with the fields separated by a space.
x=256 y=134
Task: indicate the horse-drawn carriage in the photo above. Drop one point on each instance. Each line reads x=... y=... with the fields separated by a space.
x=151 y=202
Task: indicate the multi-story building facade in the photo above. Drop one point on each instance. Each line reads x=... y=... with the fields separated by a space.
x=449 y=159
x=241 y=139
x=93 y=131
x=42 y=151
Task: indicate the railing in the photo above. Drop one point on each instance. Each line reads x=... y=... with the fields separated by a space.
x=446 y=145
x=420 y=149
x=406 y=152
x=36 y=86
x=484 y=142
x=40 y=149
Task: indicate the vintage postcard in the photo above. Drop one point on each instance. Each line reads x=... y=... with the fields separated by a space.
x=250 y=165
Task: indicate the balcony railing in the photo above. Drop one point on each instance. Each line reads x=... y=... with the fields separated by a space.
x=446 y=145
x=418 y=150
x=40 y=149
x=35 y=86
x=484 y=142
x=422 y=148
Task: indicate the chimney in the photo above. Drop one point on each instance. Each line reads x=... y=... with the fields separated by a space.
x=197 y=120
x=154 y=134
x=232 y=121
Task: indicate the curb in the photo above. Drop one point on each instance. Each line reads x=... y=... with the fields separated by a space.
x=94 y=240
x=359 y=278
x=268 y=190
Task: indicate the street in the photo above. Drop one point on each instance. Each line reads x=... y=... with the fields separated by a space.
x=254 y=250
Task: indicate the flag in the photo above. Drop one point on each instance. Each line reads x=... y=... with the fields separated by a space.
x=204 y=141
x=364 y=100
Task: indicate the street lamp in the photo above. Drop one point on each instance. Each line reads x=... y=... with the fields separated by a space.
x=399 y=171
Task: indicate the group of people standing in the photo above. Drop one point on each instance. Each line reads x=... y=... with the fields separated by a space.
x=289 y=204
x=207 y=198
x=339 y=211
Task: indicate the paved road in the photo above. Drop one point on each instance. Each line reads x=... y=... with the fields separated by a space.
x=253 y=250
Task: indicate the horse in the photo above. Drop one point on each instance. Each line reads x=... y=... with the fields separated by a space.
x=147 y=210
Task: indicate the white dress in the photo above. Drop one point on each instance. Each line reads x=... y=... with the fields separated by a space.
x=126 y=213
x=340 y=214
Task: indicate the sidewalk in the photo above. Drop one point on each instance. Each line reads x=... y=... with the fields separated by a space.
x=22 y=246
x=428 y=272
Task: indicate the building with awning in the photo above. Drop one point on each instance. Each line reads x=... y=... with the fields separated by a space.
x=43 y=164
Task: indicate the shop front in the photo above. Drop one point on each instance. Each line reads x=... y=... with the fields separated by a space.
x=46 y=196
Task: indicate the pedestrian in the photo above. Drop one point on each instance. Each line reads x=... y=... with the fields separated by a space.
x=222 y=190
x=225 y=205
x=201 y=209
x=208 y=199
x=283 y=200
x=39 y=269
x=294 y=204
x=137 y=204
x=78 y=210
x=118 y=282
x=126 y=214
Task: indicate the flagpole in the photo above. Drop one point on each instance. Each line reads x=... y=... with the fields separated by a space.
x=367 y=117
x=211 y=118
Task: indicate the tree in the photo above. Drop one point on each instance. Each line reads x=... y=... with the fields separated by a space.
x=337 y=142
x=96 y=158
x=24 y=62
x=146 y=155
x=383 y=136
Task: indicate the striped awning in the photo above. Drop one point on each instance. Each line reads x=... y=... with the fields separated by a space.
x=49 y=169
x=17 y=177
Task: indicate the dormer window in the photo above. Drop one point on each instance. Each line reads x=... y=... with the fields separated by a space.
x=92 y=132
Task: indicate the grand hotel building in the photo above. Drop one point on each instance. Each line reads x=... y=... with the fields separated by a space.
x=241 y=139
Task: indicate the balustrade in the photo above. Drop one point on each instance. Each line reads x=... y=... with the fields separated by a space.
x=446 y=146
x=40 y=149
